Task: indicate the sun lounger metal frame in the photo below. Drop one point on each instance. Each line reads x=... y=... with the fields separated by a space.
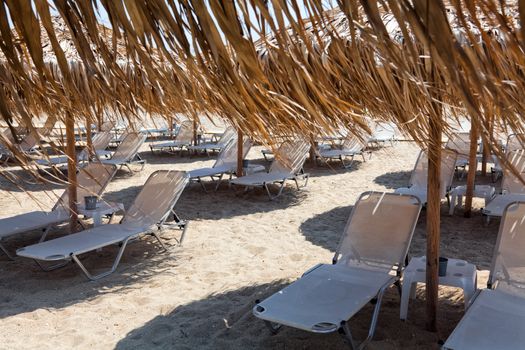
x=56 y=207
x=343 y=327
x=280 y=173
x=153 y=230
x=504 y=294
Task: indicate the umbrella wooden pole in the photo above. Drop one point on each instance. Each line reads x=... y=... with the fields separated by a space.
x=471 y=176
x=433 y=222
x=89 y=139
x=195 y=131
x=240 y=152
x=71 y=172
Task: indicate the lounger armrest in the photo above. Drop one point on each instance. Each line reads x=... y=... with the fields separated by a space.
x=311 y=269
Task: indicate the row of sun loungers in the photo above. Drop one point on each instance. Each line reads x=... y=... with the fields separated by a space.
x=369 y=259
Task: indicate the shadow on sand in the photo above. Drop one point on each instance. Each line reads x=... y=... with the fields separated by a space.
x=141 y=261
x=225 y=321
x=394 y=179
x=325 y=229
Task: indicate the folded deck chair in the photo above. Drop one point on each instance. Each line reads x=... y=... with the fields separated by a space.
x=287 y=165
x=183 y=139
x=27 y=146
x=460 y=142
x=369 y=259
x=383 y=133
x=147 y=215
x=418 y=180
x=225 y=138
x=92 y=180
x=127 y=151
x=496 y=316
x=226 y=163
x=513 y=144
x=512 y=189
x=350 y=147
x=99 y=143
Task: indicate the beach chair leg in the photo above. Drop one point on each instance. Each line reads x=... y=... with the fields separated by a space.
x=278 y=193
x=105 y=273
x=182 y=225
x=273 y=327
x=347 y=334
x=51 y=267
x=44 y=233
x=219 y=182
x=199 y=180
x=6 y=252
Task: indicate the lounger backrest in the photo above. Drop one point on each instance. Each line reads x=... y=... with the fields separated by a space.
x=353 y=143
x=227 y=136
x=290 y=157
x=514 y=143
x=384 y=131
x=228 y=155
x=30 y=141
x=92 y=180
x=156 y=199
x=448 y=166
x=511 y=183
x=129 y=146
x=459 y=142
x=185 y=133
x=108 y=125
x=508 y=260
x=379 y=230
x=101 y=140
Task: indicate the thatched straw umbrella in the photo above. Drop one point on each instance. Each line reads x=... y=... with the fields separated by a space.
x=400 y=61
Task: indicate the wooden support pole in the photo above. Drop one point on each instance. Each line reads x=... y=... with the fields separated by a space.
x=89 y=139
x=71 y=172
x=433 y=222
x=240 y=152
x=472 y=168
x=195 y=131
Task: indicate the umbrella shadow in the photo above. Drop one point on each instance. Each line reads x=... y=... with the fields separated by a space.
x=24 y=287
x=393 y=180
x=325 y=229
x=226 y=321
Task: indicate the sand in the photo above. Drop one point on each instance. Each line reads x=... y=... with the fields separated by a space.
x=239 y=248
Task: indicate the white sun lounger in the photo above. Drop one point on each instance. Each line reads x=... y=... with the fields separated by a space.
x=496 y=317
x=27 y=146
x=369 y=259
x=100 y=142
x=226 y=163
x=147 y=215
x=351 y=147
x=460 y=142
x=511 y=187
x=183 y=139
x=383 y=133
x=418 y=180
x=229 y=134
x=128 y=152
x=288 y=164
x=513 y=144
x=92 y=180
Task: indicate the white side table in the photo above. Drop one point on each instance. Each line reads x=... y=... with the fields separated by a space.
x=103 y=208
x=480 y=191
x=460 y=274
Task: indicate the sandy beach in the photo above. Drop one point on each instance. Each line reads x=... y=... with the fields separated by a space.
x=240 y=247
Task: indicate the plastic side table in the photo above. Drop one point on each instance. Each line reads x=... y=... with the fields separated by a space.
x=103 y=208
x=480 y=191
x=460 y=274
